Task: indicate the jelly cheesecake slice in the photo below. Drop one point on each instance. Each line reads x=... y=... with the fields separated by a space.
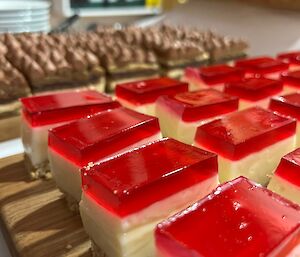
x=249 y=143
x=40 y=113
x=263 y=66
x=286 y=179
x=180 y=115
x=288 y=105
x=212 y=76
x=254 y=91
x=126 y=196
x=141 y=95
x=291 y=81
x=239 y=218
x=292 y=58
x=95 y=138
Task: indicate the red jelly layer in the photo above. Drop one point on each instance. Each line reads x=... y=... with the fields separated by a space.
x=220 y=74
x=147 y=91
x=199 y=105
x=67 y=106
x=262 y=65
x=291 y=78
x=239 y=134
x=254 y=89
x=131 y=181
x=238 y=219
x=287 y=105
x=289 y=167
x=290 y=57
x=101 y=135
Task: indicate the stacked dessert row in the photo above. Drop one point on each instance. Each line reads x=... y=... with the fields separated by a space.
x=140 y=194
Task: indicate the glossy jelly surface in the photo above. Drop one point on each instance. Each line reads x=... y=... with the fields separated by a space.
x=238 y=219
x=254 y=89
x=262 y=65
x=290 y=57
x=147 y=91
x=287 y=105
x=60 y=107
x=199 y=105
x=129 y=182
x=289 y=167
x=220 y=74
x=291 y=78
x=91 y=139
x=241 y=133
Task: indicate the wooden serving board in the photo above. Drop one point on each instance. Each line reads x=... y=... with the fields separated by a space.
x=10 y=127
x=35 y=218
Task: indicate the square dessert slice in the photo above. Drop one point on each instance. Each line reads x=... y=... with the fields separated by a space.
x=249 y=143
x=40 y=113
x=288 y=105
x=239 y=218
x=212 y=76
x=263 y=66
x=180 y=115
x=254 y=91
x=291 y=81
x=286 y=179
x=141 y=95
x=292 y=58
x=95 y=138
x=126 y=196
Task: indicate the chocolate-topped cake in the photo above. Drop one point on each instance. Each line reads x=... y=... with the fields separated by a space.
x=52 y=65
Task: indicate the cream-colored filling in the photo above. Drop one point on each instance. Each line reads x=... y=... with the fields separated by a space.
x=173 y=126
x=148 y=109
x=67 y=174
x=258 y=166
x=244 y=104
x=285 y=188
x=35 y=141
x=197 y=84
x=174 y=73
x=133 y=235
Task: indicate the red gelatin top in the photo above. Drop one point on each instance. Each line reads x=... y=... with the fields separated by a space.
x=254 y=89
x=291 y=78
x=241 y=133
x=92 y=139
x=147 y=91
x=129 y=182
x=66 y=106
x=199 y=105
x=262 y=65
x=220 y=74
x=238 y=219
x=290 y=57
x=287 y=105
x=289 y=167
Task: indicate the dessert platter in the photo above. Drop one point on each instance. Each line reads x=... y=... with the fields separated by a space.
x=205 y=165
x=34 y=63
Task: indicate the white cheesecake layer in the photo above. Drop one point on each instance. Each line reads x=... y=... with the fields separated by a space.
x=35 y=141
x=285 y=188
x=244 y=104
x=67 y=174
x=258 y=166
x=197 y=84
x=173 y=126
x=133 y=235
x=148 y=109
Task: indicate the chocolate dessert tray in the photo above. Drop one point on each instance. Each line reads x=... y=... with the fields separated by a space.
x=34 y=216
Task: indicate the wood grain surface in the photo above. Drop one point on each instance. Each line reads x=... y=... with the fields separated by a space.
x=35 y=217
x=10 y=127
